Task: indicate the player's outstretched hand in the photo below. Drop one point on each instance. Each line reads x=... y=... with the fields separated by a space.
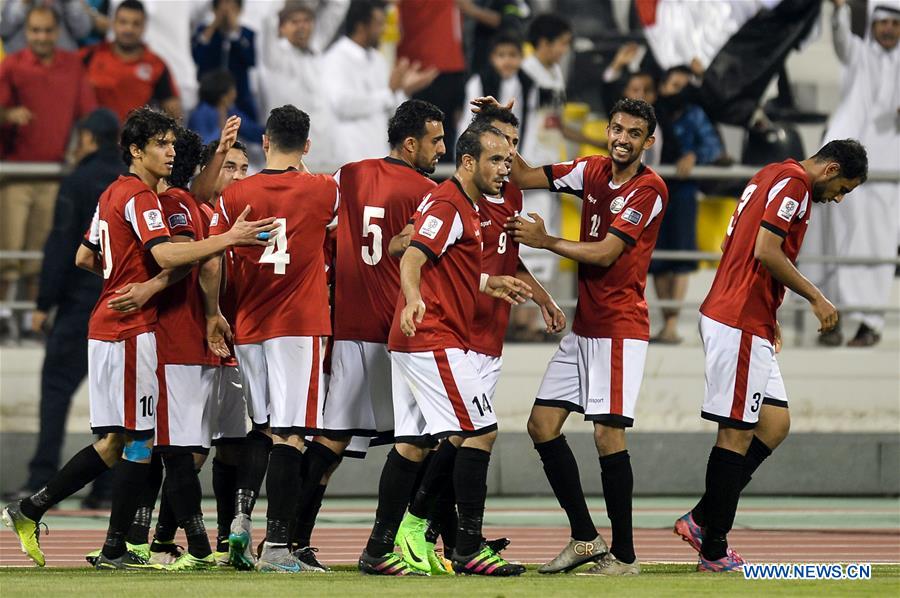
x=509 y=288
x=484 y=101
x=252 y=232
x=131 y=297
x=411 y=315
x=827 y=314
x=527 y=230
x=229 y=134
x=554 y=317
x=217 y=332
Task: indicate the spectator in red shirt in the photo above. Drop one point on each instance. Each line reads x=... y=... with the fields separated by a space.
x=125 y=74
x=43 y=93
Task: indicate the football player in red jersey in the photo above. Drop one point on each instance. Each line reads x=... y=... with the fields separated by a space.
x=129 y=242
x=436 y=391
x=745 y=393
x=598 y=367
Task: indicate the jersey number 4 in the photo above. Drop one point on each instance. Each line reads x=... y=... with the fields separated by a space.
x=372 y=255
x=276 y=253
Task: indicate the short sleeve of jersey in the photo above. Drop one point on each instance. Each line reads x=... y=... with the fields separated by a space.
x=145 y=215
x=786 y=202
x=436 y=228
x=220 y=221
x=92 y=234
x=638 y=212
x=177 y=217
x=422 y=205
x=567 y=177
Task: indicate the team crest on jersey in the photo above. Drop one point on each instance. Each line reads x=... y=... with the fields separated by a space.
x=215 y=220
x=431 y=226
x=143 y=71
x=617 y=204
x=633 y=216
x=788 y=209
x=178 y=219
x=154 y=219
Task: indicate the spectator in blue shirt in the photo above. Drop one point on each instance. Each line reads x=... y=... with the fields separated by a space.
x=217 y=102
x=224 y=43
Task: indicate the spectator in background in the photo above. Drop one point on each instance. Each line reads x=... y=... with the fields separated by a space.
x=71 y=291
x=692 y=140
x=485 y=19
x=290 y=69
x=224 y=43
x=43 y=93
x=431 y=36
x=98 y=10
x=642 y=86
x=502 y=78
x=125 y=73
x=366 y=92
x=217 y=102
x=73 y=20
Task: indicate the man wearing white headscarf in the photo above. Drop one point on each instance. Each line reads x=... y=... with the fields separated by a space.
x=868 y=226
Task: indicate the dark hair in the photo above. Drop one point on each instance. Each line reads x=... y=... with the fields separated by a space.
x=469 y=143
x=188 y=150
x=216 y=3
x=637 y=74
x=142 y=125
x=360 y=13
x=489 y=114
x=42 y=8
x=506 y=37
x=547 y=26
x=850 y=154
x=679 y=68
x=409 y=120
x=132 y=5
x=288 y=128
x=291 y=7
x=210 y=150
x=638 y=108
x=214 y=85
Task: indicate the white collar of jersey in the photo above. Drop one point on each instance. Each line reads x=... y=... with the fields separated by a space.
x=497 y=200
x=612 y=185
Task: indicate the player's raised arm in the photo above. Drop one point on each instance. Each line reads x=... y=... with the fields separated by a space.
x=203 y=185
x=525 y=176
x=410 y=276
x=534 y=234
x=769 y=253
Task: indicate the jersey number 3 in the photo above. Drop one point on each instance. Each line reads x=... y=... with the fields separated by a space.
x=276 y=253
x=745 y=197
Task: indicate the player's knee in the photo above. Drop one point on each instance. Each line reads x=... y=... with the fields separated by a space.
x=609 y=439
x=734 y=439
x=138 y=449
x=484 y=442
x=109 y=447
x=294 y=440
x=228 y=453
x=412 y=452
x=336 y=445
x=539 y=429
x=199 y=460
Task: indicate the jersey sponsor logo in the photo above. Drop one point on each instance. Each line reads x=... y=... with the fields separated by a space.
x=593 y=199
x=486 y=223
x=176 y=220
x=788 y=209
x=214 y=221
x=154 y=220
x=633 y=216
x=617 y=204
x=431 y=226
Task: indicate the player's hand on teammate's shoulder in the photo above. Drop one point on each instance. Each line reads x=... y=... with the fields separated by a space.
x=413 y=313
x=131 y=297
x=252 y=232
x=527 y=230
x=509 y=288
x=217 y=333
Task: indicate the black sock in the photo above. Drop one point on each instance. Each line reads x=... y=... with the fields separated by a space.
x=561 y=470
x=618 y=485
x=397 y=481
x=756 y=454
x=166 y=523
x=128 y=487
x=724 y=477
x=81 y=470
x=185 y=495
x=251 y=471
x=470 y=486
x=437 y=478
x=306 y=518
x=443 y=520
x=317 y=461
x=283 y=488
x=224 y=482
x=139 y=532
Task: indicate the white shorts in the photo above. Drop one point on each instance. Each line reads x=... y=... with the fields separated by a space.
x=437 y=394
x=229 y=416
x=358 y=402
x=184 y=410
x=741 y=375
x=281 y=380
x=123 y=384
x=598 y=377
x=488 y=369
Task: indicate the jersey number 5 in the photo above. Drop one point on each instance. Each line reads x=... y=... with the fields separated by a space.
x=745 y=197
x=276 y=253
x=372 y=255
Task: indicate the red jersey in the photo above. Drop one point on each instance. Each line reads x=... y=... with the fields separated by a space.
x=181 y=330
x=448 y=231
x=499 y=256
x=128 y=222
x=280 y=289
x=744 y=294
x=378 y=199
x=431 y=34
x=123 y=85
x=611 y=300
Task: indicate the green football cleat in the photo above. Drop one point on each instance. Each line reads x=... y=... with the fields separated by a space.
x=28 y=531
x=142 y=550
x=439 y=564
x=128 y=562
x=188 y=562
x=222 y=558
x=411 y=540
x=92 y=557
